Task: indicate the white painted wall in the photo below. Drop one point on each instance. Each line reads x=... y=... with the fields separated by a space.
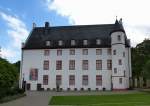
x=35 y=58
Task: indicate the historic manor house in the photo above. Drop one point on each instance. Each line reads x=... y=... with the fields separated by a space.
x=81 y=57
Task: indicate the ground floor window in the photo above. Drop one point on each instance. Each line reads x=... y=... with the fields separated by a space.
x=85 y=80
x=33 y=74
x=45 y=79
x=98 y=80
x=58 y=79
x=71 y=80
x=120 y=80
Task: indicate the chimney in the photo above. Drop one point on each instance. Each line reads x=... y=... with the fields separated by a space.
x=33 y=25
x=46 y=24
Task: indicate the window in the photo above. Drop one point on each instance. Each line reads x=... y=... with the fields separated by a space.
x=48 y=43
x=120 y=62
x=85 y=51
x=85 y=80
x=46 y=52
x=58 y=65
x=45 y=79
x=85 y=42
x=119 y=38
x=98 y=41
x=120 y=80
x=33 y=74
x=114 y=52
x=58 y=80
x=109 y=64
x=123 y=54
x=124 y=73
x=73 y=43
x=98 y=64
x=60 y=42
x=85 y=64
x=98 y=80
x=98 y=51
x=71 y=80
x=59 y=52
x=72 y=52
x=46 y=65
x=115 y=70
x=108 y=51
x=71 y=64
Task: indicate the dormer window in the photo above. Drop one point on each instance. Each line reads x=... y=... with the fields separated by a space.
x=85 y=42
x=48 y=43
x=98 y=41
x=119 y=38
x=60 y=42
x=73 y=43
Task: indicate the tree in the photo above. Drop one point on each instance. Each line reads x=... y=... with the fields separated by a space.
x=17 y=65
x=146 y=70
x=140 y=55
x=8 y=77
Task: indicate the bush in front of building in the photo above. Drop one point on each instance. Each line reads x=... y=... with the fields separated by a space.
x=8 y=79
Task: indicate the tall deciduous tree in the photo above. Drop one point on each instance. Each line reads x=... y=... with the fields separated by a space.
x=140 y=56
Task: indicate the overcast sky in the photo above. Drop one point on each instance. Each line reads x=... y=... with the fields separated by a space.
x=17 y=16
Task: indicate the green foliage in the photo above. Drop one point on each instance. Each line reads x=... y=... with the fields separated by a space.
x=8 y=77
x=17 y=65
x=10 y=98
x=146 y=70
x=140 y=55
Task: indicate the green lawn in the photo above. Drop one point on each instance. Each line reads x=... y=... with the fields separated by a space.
x=138 y=99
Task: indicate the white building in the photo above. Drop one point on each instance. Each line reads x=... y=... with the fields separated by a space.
x=83 y=57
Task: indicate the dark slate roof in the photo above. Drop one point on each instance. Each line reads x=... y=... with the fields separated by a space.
x=39 y=35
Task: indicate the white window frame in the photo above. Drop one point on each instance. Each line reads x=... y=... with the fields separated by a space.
x=98 y=41
x=48 y=43
x=73 y=42
x=85 y=42
x=60 y=42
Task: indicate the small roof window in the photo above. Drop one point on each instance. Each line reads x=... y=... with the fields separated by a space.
x=85 y=42
x=48 y=43
x=60 y=42
x=98 y=41
x=73 y=43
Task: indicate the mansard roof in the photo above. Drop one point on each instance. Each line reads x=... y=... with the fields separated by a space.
x=39 y=35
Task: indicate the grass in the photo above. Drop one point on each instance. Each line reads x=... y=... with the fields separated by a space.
x=137 y=99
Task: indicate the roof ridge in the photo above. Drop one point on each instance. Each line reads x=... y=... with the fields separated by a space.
x=91 y=25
